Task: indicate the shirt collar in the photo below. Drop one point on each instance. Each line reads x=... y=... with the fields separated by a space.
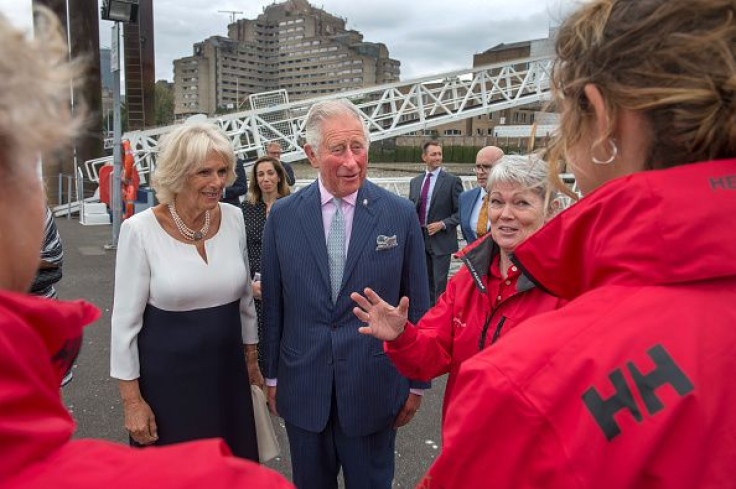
x=434 y=172
x=326 y=196
x=511 y=274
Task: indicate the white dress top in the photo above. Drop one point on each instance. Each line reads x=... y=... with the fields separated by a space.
x=153 y=268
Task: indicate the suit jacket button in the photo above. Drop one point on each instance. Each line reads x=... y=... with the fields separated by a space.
x=330 y=361
x=333 y=326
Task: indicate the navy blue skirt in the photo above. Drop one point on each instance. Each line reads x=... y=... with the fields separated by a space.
x=194 y=377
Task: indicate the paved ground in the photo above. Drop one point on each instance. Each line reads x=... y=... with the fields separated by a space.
x=92 y=396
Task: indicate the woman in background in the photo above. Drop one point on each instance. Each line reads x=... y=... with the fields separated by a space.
x=268 y=183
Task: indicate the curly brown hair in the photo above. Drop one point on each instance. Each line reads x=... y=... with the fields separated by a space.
x=674 y=61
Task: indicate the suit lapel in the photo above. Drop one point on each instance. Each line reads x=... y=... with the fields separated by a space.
x=414 y=191
x=436 y=192
x=474 y=200
x=309 y=212
x=471 y=205
x=363 y=233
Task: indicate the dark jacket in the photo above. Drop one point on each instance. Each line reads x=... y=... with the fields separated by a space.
x=239 y=186
x=467 y=203
x=312 y=345
x=443 y=206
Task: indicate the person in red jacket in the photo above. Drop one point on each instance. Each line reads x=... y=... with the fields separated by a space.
x=631 y=384
x=39 y=339
x=488 y=296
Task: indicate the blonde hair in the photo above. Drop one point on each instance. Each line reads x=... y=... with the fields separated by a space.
x=674 y=61
x=182 y=150
x=36 y=77
x=254 y=191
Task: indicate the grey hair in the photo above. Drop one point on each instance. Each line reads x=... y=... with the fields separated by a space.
x=182 y=150
x=35 y=76
x=529 y=172
x=322 y=111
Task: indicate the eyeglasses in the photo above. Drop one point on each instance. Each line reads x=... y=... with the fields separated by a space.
x=483 y=168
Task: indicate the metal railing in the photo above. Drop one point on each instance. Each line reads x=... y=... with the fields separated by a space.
x=388 y=110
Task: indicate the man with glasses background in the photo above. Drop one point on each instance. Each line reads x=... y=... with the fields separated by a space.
x=474 y=222
x=273 y=149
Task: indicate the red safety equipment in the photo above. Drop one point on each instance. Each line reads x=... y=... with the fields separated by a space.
x=130 y=180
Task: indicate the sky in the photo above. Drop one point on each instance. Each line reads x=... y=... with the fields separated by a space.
x=426 y=36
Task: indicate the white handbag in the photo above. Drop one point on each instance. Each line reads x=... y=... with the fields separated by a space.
x=268 y=444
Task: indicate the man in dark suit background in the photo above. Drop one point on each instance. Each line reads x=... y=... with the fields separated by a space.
x=435 y=194
x=340 y=396
x=273 y=149
x=232 y=194
x=473 y=202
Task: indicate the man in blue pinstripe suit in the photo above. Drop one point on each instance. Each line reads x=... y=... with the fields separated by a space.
x=340 y=396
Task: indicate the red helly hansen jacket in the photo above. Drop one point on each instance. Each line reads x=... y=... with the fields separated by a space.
x=464 y=319
x=633 y=383
x=38 y=338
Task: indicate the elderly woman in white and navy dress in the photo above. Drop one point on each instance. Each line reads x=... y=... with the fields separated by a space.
x=184 y=332
x=268 y=183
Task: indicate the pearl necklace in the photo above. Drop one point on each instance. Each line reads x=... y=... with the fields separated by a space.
x=187 y=232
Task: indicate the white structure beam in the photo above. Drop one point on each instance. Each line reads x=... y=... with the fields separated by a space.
x=389 y=110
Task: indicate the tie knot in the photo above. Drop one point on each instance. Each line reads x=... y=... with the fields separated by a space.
x=338 y=203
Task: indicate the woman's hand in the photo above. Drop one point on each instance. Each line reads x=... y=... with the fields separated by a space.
x=257 y=289
x=251 y=361
x=140 y=421
x=383 y=320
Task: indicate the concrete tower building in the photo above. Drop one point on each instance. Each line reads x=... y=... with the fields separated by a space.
x=292 y=46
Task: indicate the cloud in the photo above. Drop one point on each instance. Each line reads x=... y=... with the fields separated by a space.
x=427 y=36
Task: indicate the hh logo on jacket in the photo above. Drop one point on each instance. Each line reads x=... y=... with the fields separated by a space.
x=665 y=371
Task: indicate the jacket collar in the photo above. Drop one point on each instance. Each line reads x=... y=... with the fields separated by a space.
x=477 y=258
x=651 y=228
x=33 y=419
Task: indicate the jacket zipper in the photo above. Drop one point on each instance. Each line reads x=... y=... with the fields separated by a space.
x=484 y=332
x=497 y=333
